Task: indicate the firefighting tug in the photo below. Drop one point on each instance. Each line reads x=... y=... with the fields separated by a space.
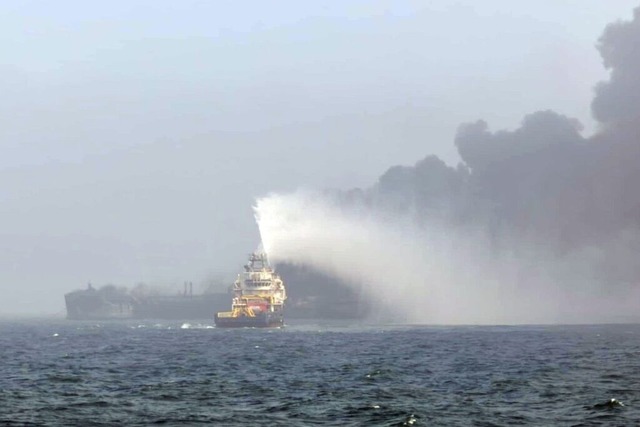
x=258 y=297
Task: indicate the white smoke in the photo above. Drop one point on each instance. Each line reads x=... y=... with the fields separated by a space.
x=427 y=274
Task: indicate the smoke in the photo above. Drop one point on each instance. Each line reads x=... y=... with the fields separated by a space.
x=426 y=275
x=619 y=98
x=537 y=225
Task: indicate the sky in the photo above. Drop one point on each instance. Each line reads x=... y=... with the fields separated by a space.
x=136 y=136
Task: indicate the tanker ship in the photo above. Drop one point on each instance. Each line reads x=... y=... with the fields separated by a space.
x=258 y=297
x=107 y=302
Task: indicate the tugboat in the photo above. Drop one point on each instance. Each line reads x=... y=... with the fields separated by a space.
x=258 y=297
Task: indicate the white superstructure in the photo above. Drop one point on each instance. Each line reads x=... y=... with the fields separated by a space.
x=257 y=289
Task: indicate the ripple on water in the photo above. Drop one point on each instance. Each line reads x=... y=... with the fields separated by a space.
x=124 y=373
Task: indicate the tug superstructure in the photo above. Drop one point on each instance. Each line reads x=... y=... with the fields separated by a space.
x=258 y=297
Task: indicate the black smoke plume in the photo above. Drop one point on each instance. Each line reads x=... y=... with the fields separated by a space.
x=540 y=219
x=544 y=180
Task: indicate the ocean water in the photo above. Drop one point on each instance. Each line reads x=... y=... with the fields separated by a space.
x=313 y=373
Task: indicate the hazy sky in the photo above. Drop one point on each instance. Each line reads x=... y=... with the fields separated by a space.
x=135 y=136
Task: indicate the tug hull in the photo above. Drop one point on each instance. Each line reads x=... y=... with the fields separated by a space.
x=261 y=320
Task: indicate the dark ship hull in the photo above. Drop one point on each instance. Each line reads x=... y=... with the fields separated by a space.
x=261 y=320
x=98 y=310
x=179 y=307
x=110 y=303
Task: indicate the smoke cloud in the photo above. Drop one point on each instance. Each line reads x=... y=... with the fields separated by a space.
x=431 y=274
x=536 y=225
x=619 y=98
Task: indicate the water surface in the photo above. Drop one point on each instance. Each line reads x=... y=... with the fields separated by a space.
x=312 y=373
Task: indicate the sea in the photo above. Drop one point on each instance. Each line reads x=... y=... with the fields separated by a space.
x=317 y=373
